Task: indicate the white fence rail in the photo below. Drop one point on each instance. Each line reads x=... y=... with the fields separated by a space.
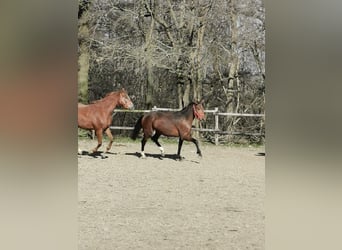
x=214 y=112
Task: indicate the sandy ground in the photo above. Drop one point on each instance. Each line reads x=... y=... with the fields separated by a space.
x=213 y=202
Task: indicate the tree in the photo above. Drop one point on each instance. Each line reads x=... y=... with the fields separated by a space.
x=170 y=52
x=84 y=54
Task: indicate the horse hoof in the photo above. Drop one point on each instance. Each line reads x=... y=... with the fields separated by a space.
x=142 y=155
x=180 y=158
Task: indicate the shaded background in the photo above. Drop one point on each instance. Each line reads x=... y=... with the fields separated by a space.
x=303 y=159
x=38 y=99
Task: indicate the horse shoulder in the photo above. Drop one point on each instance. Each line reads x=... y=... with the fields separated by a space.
x=184 y=127
x=109 y=120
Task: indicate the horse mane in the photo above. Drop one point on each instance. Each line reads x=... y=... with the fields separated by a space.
x=185 y=109
x=187 y=106
x=105 y=97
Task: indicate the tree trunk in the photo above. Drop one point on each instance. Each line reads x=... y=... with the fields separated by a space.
x=150 y=85
x=186 y=94
x=183 y=91
x=198 y=65
x=180 y=96
x=84 y=57
x=234 y=66
x=198 y=74
x=83 y=62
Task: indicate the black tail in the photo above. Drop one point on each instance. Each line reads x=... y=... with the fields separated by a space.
x=137 y=128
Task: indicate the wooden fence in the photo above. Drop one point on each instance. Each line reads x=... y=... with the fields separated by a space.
x=214 y=112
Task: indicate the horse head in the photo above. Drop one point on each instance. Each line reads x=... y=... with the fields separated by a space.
x=124 y=100
x=198 y=109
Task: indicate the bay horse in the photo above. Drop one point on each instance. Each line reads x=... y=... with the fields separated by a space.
x=172 y=124
x=98 y=115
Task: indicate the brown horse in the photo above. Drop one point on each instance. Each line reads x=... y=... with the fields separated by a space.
x=98 y=115
x=172 y=124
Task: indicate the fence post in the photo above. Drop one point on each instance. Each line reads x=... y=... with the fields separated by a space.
x=154 y=108
x=216 y=126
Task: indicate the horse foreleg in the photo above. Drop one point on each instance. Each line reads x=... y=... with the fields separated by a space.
x=189 y=138
x=99 y=133
x=155 y=139
x=110 y=136
x=180 y=143
x=197 y=146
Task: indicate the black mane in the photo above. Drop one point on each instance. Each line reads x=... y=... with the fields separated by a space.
x=187 y=107
x=185 y=110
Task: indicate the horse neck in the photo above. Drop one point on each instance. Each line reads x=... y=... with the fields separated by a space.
x=189 y=113
x=111 y=102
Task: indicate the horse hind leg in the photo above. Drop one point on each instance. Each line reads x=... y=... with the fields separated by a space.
x=148 y=132
x=110 y=136
x=99 y=140
x=155 y=138
x=143 y=142
x=180 y=143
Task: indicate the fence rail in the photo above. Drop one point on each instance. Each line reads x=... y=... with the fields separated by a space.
x=214 y=112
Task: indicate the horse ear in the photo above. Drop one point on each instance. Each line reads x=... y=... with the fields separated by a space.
x=201 y=101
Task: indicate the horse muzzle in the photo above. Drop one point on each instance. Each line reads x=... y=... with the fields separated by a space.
x=201 y=117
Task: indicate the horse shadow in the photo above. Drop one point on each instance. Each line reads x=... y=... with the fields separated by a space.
x=260 y=154
x=156 y=156
x=97 y=154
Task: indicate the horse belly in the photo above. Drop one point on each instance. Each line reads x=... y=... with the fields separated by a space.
x=166 y=128
x=85 y=124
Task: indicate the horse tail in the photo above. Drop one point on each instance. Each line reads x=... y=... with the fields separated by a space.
x=137 y=128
